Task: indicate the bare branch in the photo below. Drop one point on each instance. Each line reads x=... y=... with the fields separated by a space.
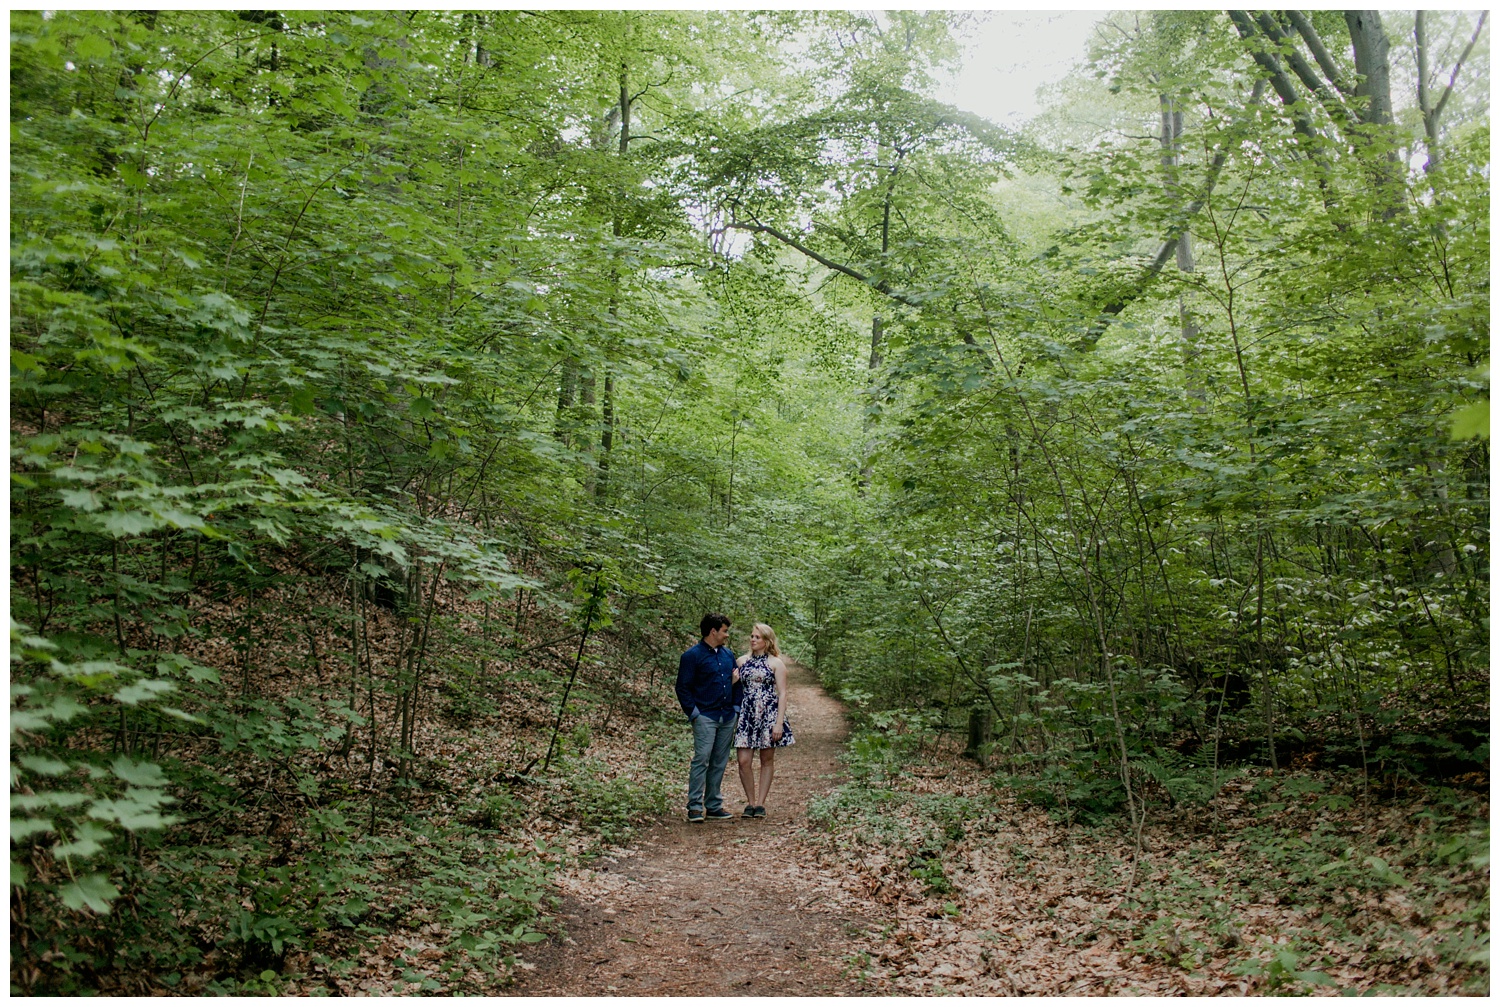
x=1320 y=52
x=1304 y=71
x=1280 y=80
x=1169 y=247
x=1432 y=115
x=1438 y=111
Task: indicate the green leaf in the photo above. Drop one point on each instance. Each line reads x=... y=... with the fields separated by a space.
x=43 y=766
x=22 y=829
x=124 y=523
x=172 y=711
x=88 y=839
x=1316 y=978
x=93 y=891
x=133 y=176
x=304 y=400
x=27 y=720
x=84 y=500
x=1472 y=421
x=21 y=363
x=146 y=688
x=92 y=47
x=136 y=811
x=48 y=799
x=1384 y=872
x=140 y=774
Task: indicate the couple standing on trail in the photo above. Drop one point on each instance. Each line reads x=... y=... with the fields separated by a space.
x=728 y=700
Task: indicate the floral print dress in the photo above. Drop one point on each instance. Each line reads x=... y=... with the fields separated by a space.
x=758 y=707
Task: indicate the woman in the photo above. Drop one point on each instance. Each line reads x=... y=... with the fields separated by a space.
x=763 y=726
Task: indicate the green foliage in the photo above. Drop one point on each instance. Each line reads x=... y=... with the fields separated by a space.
x=1286 y=971
x=608 y=805
x=869 y=810
x=330 y=327
x=85 y=805
x=1143 y=518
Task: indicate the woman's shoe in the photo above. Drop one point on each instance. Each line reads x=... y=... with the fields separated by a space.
x=760 y=811
x=749 y=811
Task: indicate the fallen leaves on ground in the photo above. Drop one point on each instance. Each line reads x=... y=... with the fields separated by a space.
x=1024 y=905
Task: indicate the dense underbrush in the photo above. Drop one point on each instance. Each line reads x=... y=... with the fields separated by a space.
x=246 y=841
x=1277 y=882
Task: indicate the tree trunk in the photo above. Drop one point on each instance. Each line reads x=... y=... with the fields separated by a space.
x=1319 y=51
x=606 y=436
x=1372 y=61
x=1432 y=113
x=1424 y=99
x=617 y=228
x=566 y=393
x=1171 y=142
x=981 y=733
x=877 y=333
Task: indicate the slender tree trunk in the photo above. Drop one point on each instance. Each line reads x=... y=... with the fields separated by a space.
x=1424 y=98
x=877 y=333
x=1432 y=112
x=562 y=706
x=567 y=392
x=1171 y=142
x=606 y=436
x=617 y=228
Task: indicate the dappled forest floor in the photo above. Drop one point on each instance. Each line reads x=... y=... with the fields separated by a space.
x=1292 y=883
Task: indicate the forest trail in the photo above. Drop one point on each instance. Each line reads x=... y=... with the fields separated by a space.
x=716 y=908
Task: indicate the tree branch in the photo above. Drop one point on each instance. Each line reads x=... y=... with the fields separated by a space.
x=1438 y=111
x=1320 y=52
x=1280 y=80
x=1276 y=33
x=1169 y=247
x=823 y=260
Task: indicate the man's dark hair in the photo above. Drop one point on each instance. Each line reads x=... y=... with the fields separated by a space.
x=711 y=622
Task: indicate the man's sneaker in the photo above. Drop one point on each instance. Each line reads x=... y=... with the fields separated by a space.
x=719 y=816
x=760 y=811
x=695 y=816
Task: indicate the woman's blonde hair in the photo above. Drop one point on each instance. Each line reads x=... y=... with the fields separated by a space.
x=770 y=637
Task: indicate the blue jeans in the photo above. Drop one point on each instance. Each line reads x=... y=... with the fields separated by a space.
x=712 y=740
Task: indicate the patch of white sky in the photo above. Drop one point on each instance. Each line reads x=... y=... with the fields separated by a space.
x=1009 y=54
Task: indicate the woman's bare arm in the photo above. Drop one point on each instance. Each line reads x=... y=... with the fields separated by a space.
x=779 y=667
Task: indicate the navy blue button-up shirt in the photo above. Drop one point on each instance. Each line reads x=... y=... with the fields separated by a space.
x=705 y=682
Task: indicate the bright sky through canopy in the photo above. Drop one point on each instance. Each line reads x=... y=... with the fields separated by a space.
x=1011 y=54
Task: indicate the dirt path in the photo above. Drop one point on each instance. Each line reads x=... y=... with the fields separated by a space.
x=716 y=908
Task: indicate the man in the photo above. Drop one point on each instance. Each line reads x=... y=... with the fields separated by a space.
x=705 y=688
